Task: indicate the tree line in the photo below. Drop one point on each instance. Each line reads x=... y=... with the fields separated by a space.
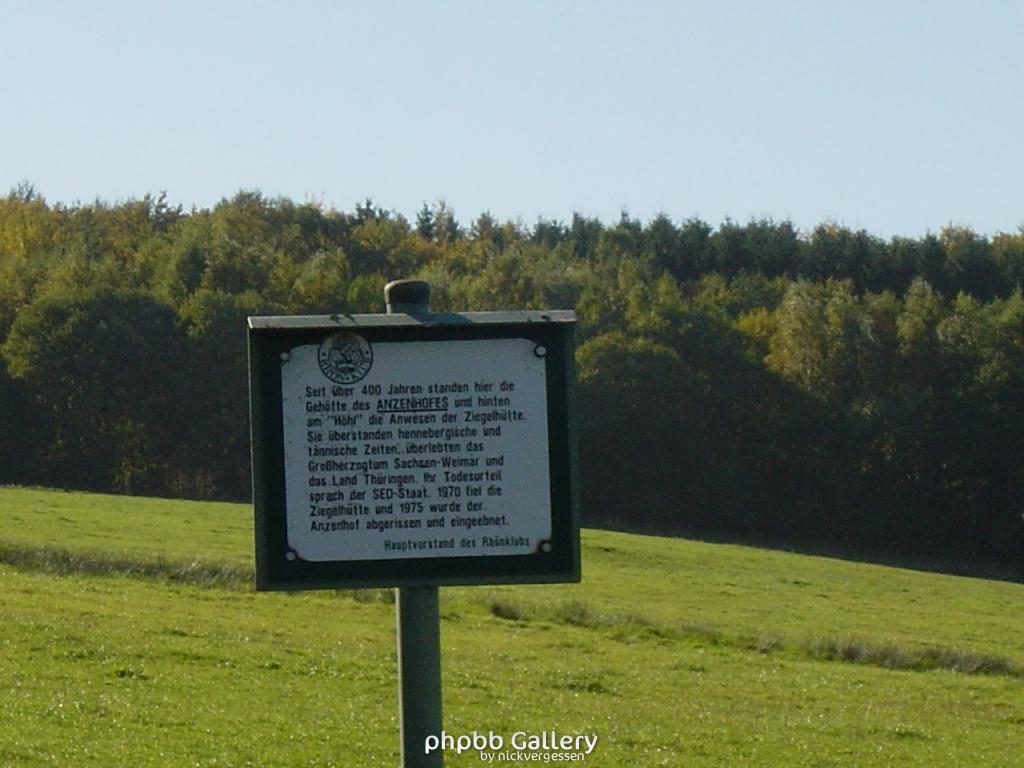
x=747 y=381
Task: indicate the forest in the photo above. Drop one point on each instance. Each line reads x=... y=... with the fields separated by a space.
x=824 y=389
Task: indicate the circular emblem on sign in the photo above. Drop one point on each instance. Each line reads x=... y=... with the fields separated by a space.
x=345 y=357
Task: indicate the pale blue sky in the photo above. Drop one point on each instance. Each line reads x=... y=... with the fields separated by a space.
x=896 y=117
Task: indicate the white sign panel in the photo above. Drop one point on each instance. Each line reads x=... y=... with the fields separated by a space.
x=415 y=449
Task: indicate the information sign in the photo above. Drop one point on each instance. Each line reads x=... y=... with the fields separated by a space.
x=392 y=450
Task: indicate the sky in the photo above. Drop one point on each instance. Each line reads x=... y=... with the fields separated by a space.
x=898 y=117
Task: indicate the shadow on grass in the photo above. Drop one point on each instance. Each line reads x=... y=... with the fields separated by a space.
x=577 y=613
x=924 y=659
x=63 y=562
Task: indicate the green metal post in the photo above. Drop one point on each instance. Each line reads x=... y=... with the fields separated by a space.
x=419 y=673
x=419 y=623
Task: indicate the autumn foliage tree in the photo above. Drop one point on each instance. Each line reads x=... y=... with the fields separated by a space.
x=748 y=381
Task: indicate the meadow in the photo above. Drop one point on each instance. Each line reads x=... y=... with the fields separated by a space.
x=131 y=636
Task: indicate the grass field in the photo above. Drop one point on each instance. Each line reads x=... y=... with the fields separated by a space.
x=131 y=637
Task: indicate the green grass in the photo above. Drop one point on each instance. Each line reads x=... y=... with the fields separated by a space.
x=127 y=526
x=131 y=637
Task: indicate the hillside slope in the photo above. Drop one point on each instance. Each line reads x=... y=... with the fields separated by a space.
x=131 y=635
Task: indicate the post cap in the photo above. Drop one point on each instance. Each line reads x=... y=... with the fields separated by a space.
x=407 y=296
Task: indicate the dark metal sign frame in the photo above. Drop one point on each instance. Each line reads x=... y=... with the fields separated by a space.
x=270 y=337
